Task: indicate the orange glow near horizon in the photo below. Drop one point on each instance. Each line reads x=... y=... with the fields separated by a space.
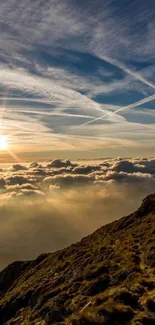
x=4 y=147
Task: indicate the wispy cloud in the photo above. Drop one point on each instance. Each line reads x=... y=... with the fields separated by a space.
x=134 y=105
x=132 y=73
x=64 y=64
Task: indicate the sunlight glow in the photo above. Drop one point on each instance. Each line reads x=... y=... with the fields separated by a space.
x=3 y=142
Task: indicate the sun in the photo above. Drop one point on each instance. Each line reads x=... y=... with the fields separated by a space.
x=3 y=142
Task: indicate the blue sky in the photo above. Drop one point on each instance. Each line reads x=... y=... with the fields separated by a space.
x=77 y=78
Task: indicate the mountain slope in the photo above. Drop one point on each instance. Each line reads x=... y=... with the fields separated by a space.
x=106 y=278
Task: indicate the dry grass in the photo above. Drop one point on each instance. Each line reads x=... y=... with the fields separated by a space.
x=107 y=278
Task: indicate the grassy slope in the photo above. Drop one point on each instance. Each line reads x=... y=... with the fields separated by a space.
x=107 y=278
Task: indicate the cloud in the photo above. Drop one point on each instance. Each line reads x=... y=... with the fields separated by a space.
x=18 y=187
x=16 y=167
x=69 y=180
x=140 y=166
x=65 y=64
x=51 y=209
x=136 y=104
x=134 y=74
x=19 y=179
x=126 y=166
x=34 y=165
x=2 y=183
x=58 y=163
x=85 y=169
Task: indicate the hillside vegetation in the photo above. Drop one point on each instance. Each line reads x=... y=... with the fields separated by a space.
x=106 y=278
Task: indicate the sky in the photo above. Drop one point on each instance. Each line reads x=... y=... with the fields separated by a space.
x=77 y=79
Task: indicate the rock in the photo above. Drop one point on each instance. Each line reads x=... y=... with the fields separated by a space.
x=53 y=316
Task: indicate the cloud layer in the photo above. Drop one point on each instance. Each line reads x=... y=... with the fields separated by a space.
x=47 y=207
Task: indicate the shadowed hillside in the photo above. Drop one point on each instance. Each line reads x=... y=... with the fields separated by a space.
x=106 y=278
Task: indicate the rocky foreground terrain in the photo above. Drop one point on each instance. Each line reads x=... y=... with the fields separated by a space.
x=106 y=278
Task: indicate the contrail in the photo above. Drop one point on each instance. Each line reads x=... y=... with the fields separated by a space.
x=122 y=67
x=136 y=104
x=137 y=76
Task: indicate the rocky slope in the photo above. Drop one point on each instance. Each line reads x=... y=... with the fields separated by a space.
x=107 y=278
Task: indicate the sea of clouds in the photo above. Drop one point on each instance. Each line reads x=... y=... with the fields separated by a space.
x=45 y=207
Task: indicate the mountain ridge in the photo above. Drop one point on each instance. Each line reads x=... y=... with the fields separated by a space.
x=106 y=278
